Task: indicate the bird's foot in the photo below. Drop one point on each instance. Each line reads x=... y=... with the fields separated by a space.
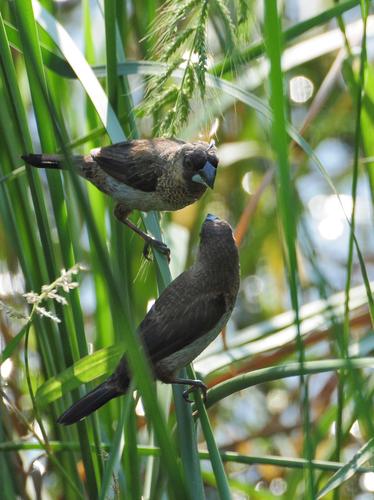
x=195 y=384
x=121 y=213
x=160 y=246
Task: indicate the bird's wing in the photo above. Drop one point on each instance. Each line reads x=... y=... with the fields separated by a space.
x=169 y=327
x=135 y=163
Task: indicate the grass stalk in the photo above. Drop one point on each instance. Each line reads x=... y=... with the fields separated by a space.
x=287 y=203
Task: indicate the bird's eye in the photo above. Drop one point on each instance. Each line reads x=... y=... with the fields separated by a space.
x=188 y=163
x=196 y=161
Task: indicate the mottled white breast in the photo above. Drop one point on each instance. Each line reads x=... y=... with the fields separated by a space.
x=134 y=198
x=130 y=197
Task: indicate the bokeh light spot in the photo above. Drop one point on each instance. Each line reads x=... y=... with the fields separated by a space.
x=247 y=183
x=367 y=481
x=301 y=89
x=6 y=368
x=331 y=228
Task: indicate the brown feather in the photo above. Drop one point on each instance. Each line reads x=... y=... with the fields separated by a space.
x=139 y=163
x=183 y=314
x=186 y=317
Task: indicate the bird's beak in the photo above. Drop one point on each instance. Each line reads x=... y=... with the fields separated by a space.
x=206 y=175
x=211 y=217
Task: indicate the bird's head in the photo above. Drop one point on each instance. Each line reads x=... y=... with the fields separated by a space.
x=200 y=163
x=218 y=254
x=216 y=236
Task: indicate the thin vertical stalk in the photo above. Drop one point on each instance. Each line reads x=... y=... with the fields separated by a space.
x=34 y=68
x=111 y=52
x=30 y=253
x=286 y=202
x=359 y=100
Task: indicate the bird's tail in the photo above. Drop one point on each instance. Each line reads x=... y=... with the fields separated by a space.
x=89 y=403
x=43 y=161
x=52 y=161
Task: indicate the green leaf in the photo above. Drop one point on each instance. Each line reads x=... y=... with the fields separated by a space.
x=13 y=175
x=262 y=375
x=82 y=69
x=348 y=470
x=59 y=65
x=117 y=447
x=85 y=370
x=137 y=360
x=12 y=345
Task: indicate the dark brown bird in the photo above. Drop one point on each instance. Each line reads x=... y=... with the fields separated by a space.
x=157 y=174
x=183 y=321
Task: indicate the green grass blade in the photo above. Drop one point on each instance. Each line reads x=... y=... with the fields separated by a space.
x=13 y=344
x=131 y=460
x=359 y=101
x=230 y=456
x=367 y=125
x=286 y=200
x=46 y=130
x=47 y=341
x=116 y=450
x=87 y=369
x=82 y=69
x=136 y=358
x=187 y=437
x=111 y=52
x=223 y=487
x=56 y=63
x=364 y=454
x=262 y=375
x=299 y=29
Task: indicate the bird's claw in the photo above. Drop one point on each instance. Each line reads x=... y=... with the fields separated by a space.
x=146 y=251
x=158 y=245
x=185 y=395
x=197 y=385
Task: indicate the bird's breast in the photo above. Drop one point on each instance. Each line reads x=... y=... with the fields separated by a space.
x=128 y=196
x=176 y=192
x=167 y=367
x=170 y=194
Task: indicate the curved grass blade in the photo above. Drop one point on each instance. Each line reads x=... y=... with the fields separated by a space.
x=87 y=369
x=299 y=29
x=117 y=446
x=347 y=471
x=279 y=331
x=59 y=65
x=12 y=345
x=228 y=456
x=13 y=175
x=137 y=360
x=286 y=206
x=82 y=69
x=69 y=343
x=262 y=375
x=248 y=98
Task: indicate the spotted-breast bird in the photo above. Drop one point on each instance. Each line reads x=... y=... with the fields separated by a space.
x=154 y=174
x=183 y=321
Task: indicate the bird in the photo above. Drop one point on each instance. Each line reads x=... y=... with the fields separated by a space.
x=187 y=316
x=144 y=174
